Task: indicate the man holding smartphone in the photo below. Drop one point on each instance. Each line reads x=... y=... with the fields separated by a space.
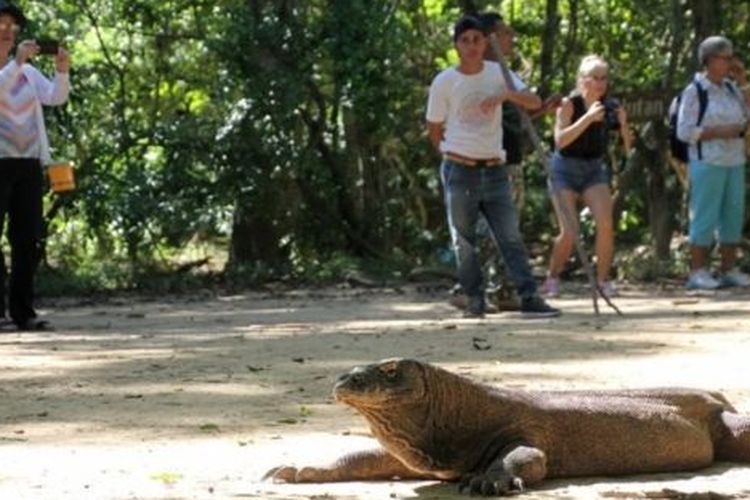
x=24 y=147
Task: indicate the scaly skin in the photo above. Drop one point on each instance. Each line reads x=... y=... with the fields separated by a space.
x=433 y=424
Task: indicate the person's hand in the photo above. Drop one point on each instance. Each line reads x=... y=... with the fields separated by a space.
x=622 y=116
x=488 y=105
x=737 y=71
x=595 y=113
x=62 y=60
x=551 y=103
x=25 y=51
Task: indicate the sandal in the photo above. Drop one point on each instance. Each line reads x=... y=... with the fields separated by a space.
x=34 y=325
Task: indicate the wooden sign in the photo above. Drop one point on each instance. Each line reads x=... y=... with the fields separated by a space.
x=645 y=107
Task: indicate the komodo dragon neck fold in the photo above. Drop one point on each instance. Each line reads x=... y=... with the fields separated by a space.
x=427 y=432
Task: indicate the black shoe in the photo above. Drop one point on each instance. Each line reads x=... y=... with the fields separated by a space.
x=475 y=307
x=536 y=307
x=34 y=325
x=474 y=313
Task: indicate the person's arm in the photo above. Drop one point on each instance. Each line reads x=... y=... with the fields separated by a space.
x=525 y=99
x=549 y=105
x=437 y=111
x=567 y=132
x=738 y=74
x=55 y=92
x=10 y=71
x=435 y=133
x=520 y=96
x=688 y=129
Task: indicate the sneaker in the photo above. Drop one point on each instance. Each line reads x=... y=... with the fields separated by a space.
x=608 y=289
x=474 y=313
x=474 y=308
x=551 y=287
x=735 y=277
x=701 y=279
x=536 y=307
x=461 y=302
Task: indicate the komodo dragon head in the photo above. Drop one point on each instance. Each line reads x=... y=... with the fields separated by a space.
x=401 y=400
x=387 y=383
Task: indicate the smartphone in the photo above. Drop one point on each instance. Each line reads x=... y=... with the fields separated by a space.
x=48 y=47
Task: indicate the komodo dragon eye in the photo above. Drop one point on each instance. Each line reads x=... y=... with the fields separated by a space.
x=390 y=370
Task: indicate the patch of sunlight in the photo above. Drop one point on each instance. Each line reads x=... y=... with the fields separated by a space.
x=368 y=326
x=239 y=389
x=414 y=307
x=201 y=313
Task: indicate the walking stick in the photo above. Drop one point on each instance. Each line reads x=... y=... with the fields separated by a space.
x=562 y=209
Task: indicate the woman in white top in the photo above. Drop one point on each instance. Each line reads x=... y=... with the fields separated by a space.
x=715 y=134
x=23 y=148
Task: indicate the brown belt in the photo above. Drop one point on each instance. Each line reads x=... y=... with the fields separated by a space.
x=471 y=162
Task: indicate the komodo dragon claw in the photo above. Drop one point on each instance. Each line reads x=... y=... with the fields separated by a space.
x=491 y=484
x=282 y=474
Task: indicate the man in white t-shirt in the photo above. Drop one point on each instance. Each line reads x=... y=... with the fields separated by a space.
x=464 y=121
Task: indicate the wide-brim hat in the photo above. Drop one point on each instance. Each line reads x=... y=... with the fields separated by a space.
x=9 y=8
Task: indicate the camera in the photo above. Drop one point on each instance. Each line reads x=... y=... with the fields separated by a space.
x=611 y=105
x=48 y=46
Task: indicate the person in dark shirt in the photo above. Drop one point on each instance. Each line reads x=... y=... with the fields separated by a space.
x=582 y=127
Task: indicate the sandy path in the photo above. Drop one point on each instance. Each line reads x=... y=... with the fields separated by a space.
x=196 y=397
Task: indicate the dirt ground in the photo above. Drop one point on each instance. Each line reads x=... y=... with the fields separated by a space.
x=196 y=397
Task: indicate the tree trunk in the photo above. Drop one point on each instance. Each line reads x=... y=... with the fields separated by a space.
x=659 y=214
x=706 y=18
x=255 y=238
x=549 y=37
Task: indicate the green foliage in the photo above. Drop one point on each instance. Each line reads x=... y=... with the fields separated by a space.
x=290 y=135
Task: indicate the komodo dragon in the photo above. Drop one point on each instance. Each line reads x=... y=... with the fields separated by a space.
x=433 y=424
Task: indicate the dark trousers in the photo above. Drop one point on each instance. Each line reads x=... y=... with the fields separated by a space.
x=21 y=204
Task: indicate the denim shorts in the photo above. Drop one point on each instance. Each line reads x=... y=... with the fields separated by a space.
x=577 y=174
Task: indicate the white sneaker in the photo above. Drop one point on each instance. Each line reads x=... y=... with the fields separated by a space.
x=701 y=279
x=735 y=277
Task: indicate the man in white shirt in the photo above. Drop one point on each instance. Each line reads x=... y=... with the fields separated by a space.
x=464 y=122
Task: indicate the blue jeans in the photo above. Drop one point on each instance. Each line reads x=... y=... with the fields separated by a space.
x=469 y=191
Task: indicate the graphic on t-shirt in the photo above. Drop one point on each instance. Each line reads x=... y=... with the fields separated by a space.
x=470 y=113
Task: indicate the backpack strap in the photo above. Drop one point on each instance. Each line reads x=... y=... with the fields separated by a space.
x=702 y=105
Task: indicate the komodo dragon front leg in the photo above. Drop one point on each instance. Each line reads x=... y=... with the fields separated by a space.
x=370 y=465
x=515 y=467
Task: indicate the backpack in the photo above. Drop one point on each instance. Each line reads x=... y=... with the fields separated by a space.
x=677 y=147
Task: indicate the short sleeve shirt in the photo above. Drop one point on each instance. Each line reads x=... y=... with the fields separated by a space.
x=455 y=100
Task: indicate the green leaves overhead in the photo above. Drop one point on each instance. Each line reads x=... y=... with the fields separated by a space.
x=295 y=129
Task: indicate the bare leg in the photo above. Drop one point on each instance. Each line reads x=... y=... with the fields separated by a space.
x=361 y=466
x=728 y=257
x=735 y=445
x=599 y=199
x=698 y=257
x=565 y=241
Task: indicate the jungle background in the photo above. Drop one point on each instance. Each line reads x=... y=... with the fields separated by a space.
x=242 y=142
